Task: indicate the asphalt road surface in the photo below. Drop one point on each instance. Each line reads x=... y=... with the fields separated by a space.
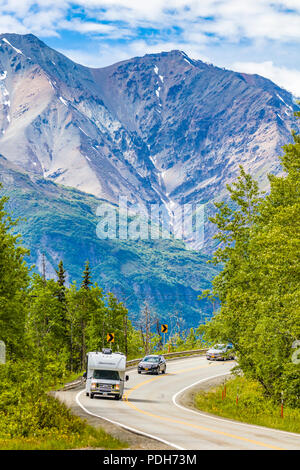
x=152 y=405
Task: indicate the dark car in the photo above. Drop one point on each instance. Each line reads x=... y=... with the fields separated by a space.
x=152 y=364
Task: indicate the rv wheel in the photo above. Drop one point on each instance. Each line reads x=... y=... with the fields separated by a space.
x=92 y=395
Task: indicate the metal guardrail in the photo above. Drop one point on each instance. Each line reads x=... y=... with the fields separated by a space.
x=73 y=384
x=176 y=354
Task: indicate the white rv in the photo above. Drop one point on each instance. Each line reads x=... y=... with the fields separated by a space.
x=105 y=374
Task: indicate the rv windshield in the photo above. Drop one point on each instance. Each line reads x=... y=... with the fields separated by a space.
x=106 y=374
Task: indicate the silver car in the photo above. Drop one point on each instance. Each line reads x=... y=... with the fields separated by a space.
x=220 y=352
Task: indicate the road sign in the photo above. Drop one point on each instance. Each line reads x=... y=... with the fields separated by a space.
x=164 y=328
x=110 y=337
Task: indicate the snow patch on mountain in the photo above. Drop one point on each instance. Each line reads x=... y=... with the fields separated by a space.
x=63 y=101
x=278 y=96
x=83 y=131
x=17 y=50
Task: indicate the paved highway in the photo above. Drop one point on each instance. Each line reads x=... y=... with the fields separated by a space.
x=151 y=405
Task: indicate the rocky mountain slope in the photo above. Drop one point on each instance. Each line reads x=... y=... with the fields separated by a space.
x=160 y=129
x=54 y=124
x=60 y=223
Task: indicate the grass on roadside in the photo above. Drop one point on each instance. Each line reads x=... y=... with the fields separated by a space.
x=89 y=437
x=252 y=406
x=35 y=420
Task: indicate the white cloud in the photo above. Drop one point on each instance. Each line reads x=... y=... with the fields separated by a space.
x=87 y=27
x=285 y=78
x=191 y=25
x=9 y=24
x=43 y=23
x=231 y=18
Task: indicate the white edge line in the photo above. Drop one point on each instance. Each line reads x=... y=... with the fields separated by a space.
x=232 y=421
x=128 y=428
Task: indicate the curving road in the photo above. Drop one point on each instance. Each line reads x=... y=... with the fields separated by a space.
x=151 y=406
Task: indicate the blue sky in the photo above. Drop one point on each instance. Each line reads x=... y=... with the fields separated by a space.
x=257 y=36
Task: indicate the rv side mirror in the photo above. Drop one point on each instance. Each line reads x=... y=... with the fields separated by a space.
x=84 y=375
x=127 y=377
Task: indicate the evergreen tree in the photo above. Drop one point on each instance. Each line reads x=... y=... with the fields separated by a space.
x=61 y=295
x=61 y=274
x=73 y=313
x=61 y=280
x=116 y=317
x=14 y=280
x=86 y=278
x=96 y=326
x=259 y=286
x=46 y=327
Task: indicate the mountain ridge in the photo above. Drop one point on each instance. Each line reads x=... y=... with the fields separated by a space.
x=160 y=129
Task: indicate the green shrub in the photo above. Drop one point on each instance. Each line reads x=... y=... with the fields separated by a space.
x=30 y=418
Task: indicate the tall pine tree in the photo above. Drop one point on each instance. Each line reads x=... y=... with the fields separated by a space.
x=61 y=280
x=86 y=278
x=14 y=280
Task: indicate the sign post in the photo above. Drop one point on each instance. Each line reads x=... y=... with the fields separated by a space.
x=2 y=352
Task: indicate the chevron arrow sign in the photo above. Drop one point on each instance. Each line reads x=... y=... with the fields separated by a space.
x=110 y=337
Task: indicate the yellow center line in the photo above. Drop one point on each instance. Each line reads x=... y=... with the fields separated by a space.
x=184 y=423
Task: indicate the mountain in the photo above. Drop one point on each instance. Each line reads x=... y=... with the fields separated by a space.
x=160 y=129
x=54 y=124
x=60 y=223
